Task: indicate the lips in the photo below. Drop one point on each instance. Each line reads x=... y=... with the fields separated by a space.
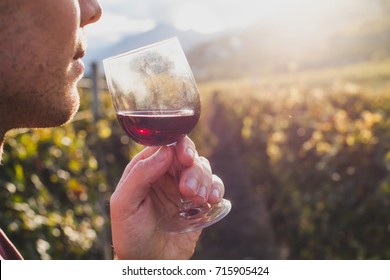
x=79 y=54
x=77 y=64
x=81 y=47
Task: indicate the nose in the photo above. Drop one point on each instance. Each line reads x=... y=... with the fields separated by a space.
x=90 y=11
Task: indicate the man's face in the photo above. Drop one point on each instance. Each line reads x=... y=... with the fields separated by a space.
x=41 y=43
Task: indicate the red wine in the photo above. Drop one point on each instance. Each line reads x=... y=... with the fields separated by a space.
x=157 y=128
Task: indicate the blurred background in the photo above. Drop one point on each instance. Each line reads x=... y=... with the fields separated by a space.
x=295 y=120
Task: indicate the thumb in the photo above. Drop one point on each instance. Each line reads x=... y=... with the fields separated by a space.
x=135 y=186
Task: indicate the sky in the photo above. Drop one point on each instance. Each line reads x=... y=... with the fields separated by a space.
x=122 y=17
x=127 y=17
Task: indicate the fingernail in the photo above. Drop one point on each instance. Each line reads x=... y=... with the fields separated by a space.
x=202 y=192
x=192 y=184
x=216 y=193
x=190 y=152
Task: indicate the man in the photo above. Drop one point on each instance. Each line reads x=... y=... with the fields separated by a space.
x=41 y=46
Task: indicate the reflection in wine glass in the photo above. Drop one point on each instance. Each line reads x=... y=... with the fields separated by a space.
x=157 y=103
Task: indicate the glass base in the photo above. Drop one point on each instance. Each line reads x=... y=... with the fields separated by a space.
x=194 y=218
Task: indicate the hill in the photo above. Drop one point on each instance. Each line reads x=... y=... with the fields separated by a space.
x=188 y=40
x=352 y=31
x=341 y=38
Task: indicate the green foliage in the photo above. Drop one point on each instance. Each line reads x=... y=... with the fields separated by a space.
x=328 y=166
x=305 y=162
x=319 y=157
x=55 y=186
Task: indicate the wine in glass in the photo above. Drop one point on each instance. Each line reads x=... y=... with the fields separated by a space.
x=157 y=103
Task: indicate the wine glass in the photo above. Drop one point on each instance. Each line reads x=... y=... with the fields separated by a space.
x=157 y=103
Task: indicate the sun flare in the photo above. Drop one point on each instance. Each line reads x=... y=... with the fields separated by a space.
x=197 y=17
x=214 y=16
x=211 y=16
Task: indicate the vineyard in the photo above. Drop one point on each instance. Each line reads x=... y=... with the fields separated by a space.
x=305 y=158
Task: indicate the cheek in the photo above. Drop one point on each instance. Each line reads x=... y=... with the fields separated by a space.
x=41 y=89
x=52 y=47
x=55 y=32
x=35 y=71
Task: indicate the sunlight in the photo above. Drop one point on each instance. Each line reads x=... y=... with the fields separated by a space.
x=197 y=17
x=214 y=16
x=218 y=15
x=113 y=27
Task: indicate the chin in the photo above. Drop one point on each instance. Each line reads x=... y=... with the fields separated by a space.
x=64 y=114
x=71 y=111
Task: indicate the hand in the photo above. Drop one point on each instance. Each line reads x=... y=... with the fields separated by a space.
x=146 y=184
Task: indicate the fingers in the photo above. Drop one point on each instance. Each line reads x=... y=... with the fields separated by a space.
x=145 y=153
x=217 y=190
x=199 y=184
x=145 y=169
x=196 y=180
x=186 y=151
